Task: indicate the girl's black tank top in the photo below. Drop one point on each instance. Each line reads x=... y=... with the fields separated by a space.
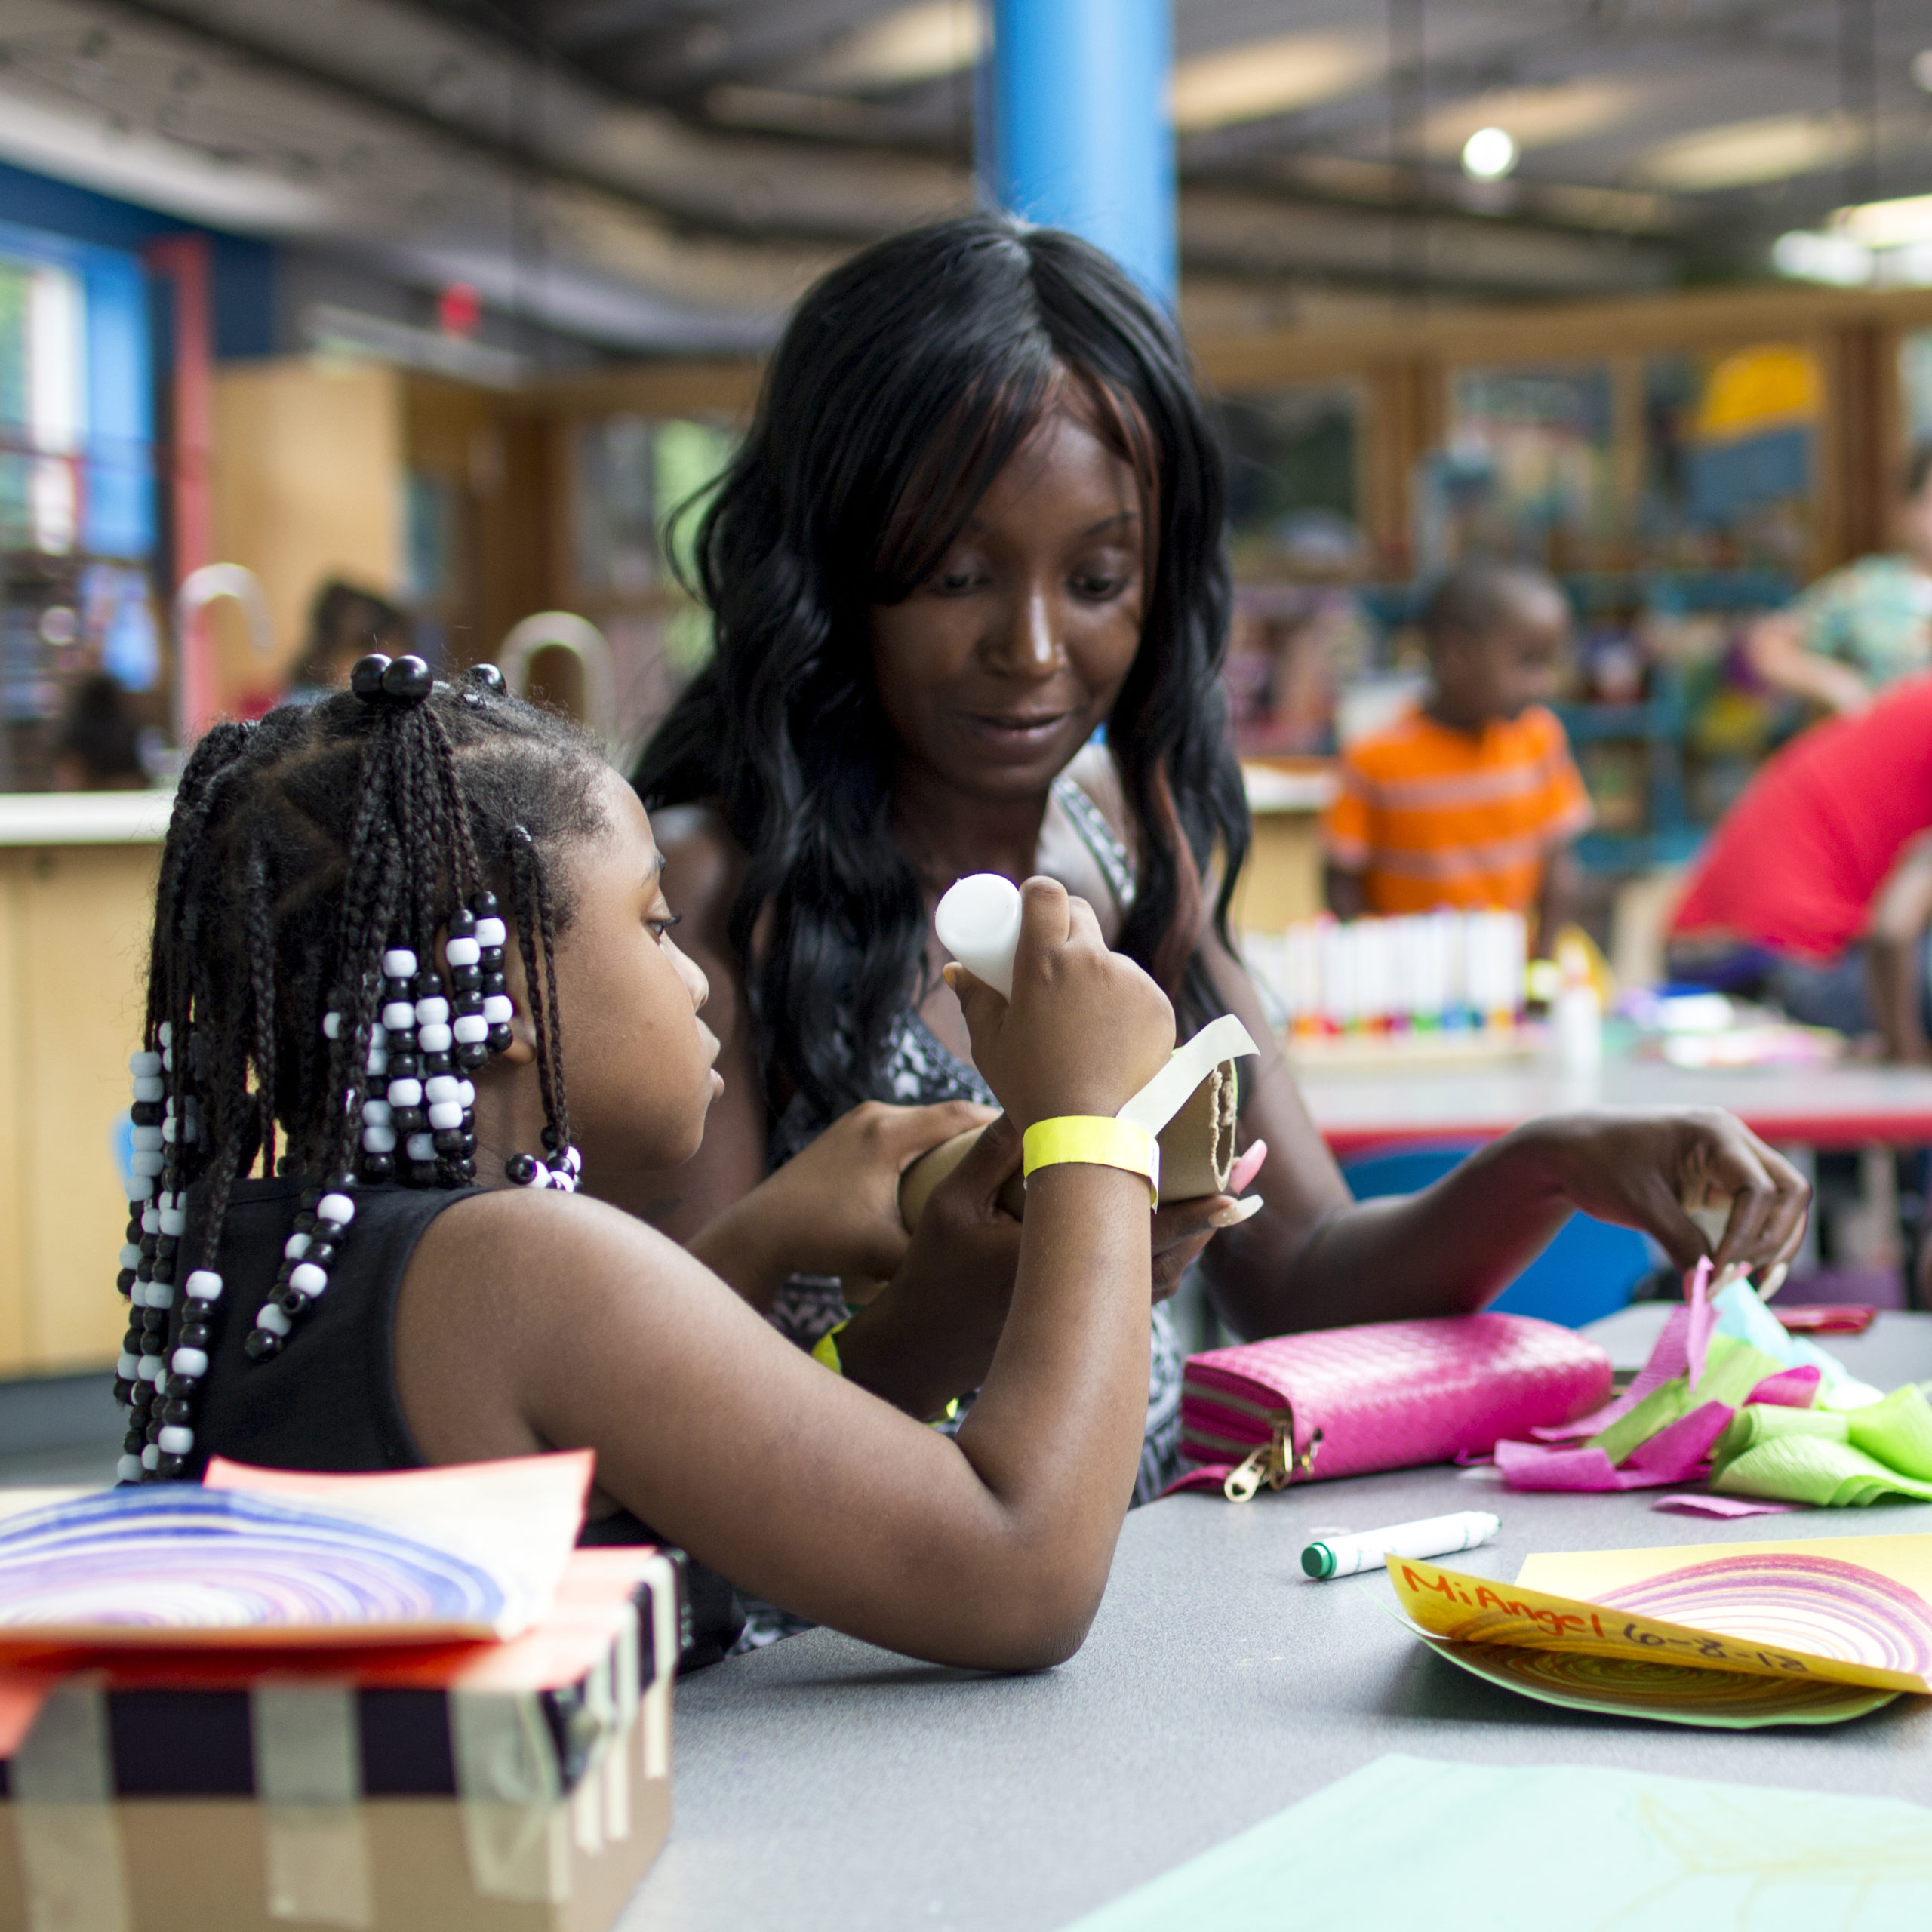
x=328 y=1401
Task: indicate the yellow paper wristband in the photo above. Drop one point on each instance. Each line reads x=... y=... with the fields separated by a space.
x=1093 y=1140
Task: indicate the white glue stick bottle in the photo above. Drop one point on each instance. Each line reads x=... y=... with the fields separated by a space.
x=978 y=922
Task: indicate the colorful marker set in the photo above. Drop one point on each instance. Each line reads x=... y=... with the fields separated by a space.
x=1426 y=972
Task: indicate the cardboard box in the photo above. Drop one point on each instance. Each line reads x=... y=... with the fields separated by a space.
x=385 y=1865
x=519 y=1787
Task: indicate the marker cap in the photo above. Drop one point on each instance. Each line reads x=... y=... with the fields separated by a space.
x=1319 y=1560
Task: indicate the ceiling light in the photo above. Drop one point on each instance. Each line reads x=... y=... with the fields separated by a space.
x=1887 y=224
x=1489 y=154
x=1745 y=151
x=916 y=43
x=1265 y=77
x=1840 y=260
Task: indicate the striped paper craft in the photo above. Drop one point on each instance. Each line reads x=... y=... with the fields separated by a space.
x=275 y=1558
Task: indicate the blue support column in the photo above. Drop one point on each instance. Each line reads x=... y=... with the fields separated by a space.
x=1074 y=129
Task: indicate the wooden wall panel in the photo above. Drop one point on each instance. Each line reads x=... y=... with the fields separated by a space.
x=308 y=484
x=80 y=917
x=494 y=456
x=15 y=1118
x=1405 y=414
x=1859 y=441
x=1557 y=332
x=1281 y=884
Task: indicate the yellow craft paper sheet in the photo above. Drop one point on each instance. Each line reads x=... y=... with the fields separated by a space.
x=1849 y=1610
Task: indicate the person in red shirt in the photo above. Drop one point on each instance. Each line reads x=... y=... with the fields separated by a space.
x=1817 y=886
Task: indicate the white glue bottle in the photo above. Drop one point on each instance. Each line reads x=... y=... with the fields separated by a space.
x=1578 y=1016
x=978 y=922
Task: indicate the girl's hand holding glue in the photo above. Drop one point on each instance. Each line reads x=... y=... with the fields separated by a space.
x=1190 y=1104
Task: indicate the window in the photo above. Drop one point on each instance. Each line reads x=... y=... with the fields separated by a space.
x=42 y=356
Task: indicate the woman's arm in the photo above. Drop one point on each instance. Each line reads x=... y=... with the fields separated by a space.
x=990 y=1551
x=1314 y=1258
x=1775 y=646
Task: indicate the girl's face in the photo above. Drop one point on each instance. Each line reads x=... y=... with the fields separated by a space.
x=637 y=1058
x=997 y=669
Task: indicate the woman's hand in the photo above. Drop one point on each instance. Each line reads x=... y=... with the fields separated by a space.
x=832 y=1209
x=1642 y=1170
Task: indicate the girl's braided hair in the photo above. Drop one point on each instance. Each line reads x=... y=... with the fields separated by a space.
x=301 y=849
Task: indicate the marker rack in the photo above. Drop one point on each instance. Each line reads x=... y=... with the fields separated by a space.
x=1432 y=974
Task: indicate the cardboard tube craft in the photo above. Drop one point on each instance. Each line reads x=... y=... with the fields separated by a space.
x=1188 y=1106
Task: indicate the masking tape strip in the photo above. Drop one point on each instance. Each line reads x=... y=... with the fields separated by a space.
x=627 y=1671
x=587 y=1811
x=617 y=1769
x=662 y=1576
x=309 y=1779
x=66 y=1837
x=1168 y=1092
x=594 y=1724
x=515 y=1826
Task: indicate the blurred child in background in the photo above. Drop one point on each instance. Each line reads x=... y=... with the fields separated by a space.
x=1472 y=800
x=1864 y=626
x=345 y=623
x=100 y=749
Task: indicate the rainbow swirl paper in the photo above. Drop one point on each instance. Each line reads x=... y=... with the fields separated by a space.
x=1801 y=1602
x=1671 y=1693
x=132 y=1565
x=1854 y=1611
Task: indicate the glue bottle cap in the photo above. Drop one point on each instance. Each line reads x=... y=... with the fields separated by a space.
x=978 y=922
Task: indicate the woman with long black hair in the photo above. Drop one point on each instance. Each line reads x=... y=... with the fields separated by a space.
x=976 y=522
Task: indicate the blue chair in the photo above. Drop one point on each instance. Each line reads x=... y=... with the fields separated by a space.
x=1590 y=1270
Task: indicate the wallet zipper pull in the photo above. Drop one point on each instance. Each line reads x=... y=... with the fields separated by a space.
x=1245 y=1477
x=1268 y=1462
x=1271 y=1464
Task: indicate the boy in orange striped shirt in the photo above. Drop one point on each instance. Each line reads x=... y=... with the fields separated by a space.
x=1473 y=800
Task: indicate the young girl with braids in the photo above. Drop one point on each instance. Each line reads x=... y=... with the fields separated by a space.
x=412 y=977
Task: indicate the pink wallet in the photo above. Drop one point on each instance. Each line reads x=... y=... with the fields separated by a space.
x=1387 y=1395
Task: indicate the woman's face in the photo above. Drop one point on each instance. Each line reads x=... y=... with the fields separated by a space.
x=997 y=669
x=637 y=1058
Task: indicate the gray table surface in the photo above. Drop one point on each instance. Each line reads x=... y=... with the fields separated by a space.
x=824 y=1783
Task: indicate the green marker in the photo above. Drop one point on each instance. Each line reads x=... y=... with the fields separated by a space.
x=1434 y=1536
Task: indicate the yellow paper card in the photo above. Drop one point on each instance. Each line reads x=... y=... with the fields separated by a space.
x=1805 y=1613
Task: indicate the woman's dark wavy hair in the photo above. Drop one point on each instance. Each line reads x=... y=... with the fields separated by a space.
x=905 y=381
